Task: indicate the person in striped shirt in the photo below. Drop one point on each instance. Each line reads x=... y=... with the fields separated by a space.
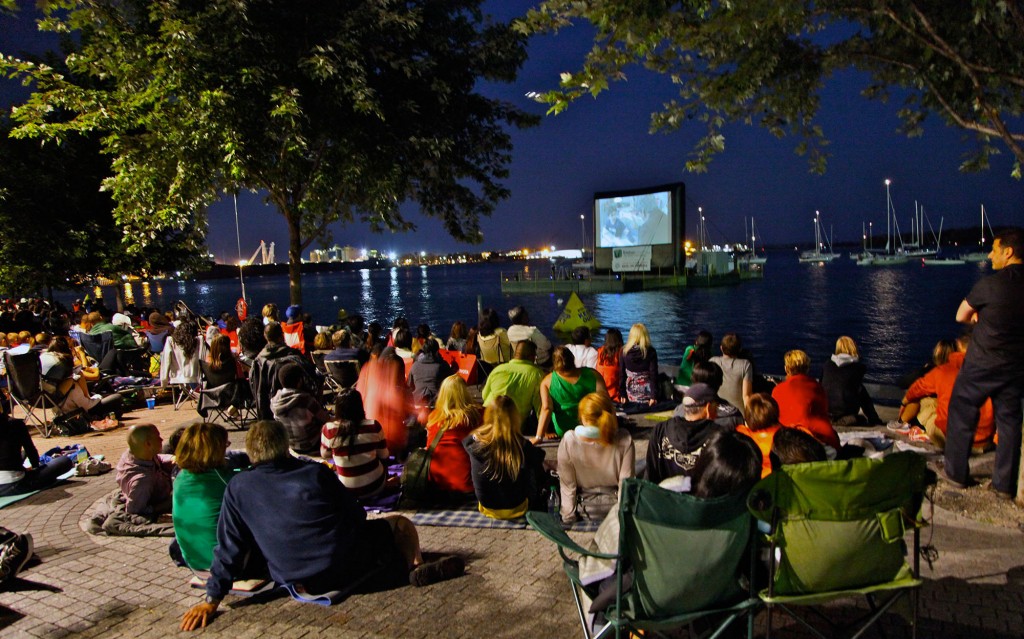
x=356 y=445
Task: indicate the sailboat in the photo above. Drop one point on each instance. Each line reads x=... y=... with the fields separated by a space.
x=818 y=255
x=753 y=258
x=979 y=256
x=941 y=261
x=916 y=247
x=892 y=256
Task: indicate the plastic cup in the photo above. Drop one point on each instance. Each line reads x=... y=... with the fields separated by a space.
x=151 y=403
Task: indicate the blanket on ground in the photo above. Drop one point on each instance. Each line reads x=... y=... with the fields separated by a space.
x=468 y=516
x=109 y=517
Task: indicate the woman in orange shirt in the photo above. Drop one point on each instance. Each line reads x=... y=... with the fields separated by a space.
x=803 y=402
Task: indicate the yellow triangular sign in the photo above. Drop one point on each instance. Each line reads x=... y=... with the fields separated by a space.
x=574 y=314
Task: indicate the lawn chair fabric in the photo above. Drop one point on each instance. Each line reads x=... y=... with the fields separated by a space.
x=687 y=557
x=659 y=527
x=841 y=523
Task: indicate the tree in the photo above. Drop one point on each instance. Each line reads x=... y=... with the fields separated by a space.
x=337 y=110
x=60 y=229
x=765 y=62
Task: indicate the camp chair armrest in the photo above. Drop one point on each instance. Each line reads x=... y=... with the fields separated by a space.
x=550 y=527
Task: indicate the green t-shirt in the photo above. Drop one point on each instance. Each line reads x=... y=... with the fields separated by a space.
x=519 y=380
x=566 y=397
x=197 y=499
x=685 y=368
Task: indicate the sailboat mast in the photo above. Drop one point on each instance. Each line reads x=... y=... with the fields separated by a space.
x=238 y=239
x=982 y=225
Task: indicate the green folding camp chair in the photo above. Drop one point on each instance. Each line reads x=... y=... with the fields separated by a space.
x=689 y=559
x=837 y=531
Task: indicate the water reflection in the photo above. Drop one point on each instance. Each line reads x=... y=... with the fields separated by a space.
x=365 y=289
x=895 y=314
x=425 y=298
x=129 y=295
x=888 y=289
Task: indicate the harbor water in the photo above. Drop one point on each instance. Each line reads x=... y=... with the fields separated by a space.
x=896 y=314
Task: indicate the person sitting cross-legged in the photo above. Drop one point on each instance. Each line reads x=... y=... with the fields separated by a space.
x=201 y=453
x=455 y=416
x=803 y=402
x=508 y=471
x=314 y=536
x=561 y=392
x=519 y=379
x=676 y=444
x=356 y=446
x=295 y=406
x=762 y=425
x=143 y=474
x=593 y=459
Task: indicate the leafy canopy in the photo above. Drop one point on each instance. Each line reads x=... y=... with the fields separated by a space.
x=764 y=62
x=60 y=226
x=339 y=111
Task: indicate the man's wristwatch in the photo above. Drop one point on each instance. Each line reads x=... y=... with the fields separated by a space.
x=210 y=600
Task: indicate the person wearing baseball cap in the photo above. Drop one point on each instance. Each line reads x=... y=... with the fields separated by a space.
x=676 y=444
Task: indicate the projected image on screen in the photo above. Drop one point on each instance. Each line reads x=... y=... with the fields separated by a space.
x=634 y=220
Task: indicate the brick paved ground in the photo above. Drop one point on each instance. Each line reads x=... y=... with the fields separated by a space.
x=90 y=586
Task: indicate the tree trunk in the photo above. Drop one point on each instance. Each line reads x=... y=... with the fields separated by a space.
x=294 y=256
x=119 y=296
x=1020 y=481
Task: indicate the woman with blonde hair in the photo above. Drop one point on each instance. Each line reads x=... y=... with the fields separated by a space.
x=506 y=468
x=270 y=313
x=639 y=380
x=561 y=392
x=593 y=459
x=843 y=379
x=455 y=417
x=199 y=491
x=802 y=400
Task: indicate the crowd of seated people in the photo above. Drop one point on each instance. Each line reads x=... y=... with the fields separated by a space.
x=721 y=438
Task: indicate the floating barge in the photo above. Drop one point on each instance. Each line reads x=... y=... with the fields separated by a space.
x=567 y=281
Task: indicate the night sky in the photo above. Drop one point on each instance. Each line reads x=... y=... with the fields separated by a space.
x=604 y=144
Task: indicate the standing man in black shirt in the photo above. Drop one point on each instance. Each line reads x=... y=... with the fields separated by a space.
x=993 y=367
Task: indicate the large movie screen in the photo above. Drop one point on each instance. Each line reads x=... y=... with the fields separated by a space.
x=634 y=220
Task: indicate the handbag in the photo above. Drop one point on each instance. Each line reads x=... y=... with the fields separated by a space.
x=73 y=423
x=415 y=480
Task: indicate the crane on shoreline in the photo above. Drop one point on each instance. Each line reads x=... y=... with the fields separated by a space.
x=264 y=251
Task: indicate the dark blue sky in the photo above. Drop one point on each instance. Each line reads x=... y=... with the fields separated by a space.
x=604 y=144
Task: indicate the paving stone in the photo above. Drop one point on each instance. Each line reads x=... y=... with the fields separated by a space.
x=93 y=586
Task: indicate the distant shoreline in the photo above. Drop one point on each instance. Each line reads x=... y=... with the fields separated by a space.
x=230 y=271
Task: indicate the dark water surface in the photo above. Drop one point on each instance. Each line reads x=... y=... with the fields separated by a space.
x=896 y=314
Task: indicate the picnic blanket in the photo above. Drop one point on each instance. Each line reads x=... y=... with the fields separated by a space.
x=468 y=516
x=109 y=517
x=10 y=499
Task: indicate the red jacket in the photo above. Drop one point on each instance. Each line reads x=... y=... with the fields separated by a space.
x=449 y=465
x=803 y=403
x=938 y=383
